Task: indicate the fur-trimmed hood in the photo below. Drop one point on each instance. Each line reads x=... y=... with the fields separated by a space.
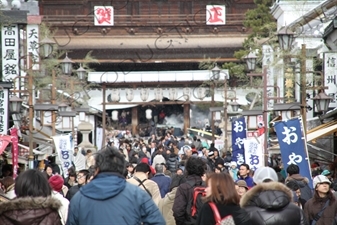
x=30 y=203
x=267 y=195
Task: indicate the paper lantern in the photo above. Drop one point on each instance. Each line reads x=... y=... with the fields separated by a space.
x=114 y=115
x=158 y=94
x=201 y=93
x=129 y=94
x=173 y=93
x=186 y=93
x=144 y=94
x=115 y=95
x=148 y=114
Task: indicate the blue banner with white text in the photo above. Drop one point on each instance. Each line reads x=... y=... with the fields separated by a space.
x=292 y=146
x=239 y=134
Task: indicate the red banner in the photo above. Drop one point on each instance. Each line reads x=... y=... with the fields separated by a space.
x=15 y=151
x=4 y=141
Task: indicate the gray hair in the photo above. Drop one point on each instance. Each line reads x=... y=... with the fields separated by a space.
x=159 y=168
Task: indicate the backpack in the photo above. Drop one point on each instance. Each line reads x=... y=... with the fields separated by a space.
x=195 y=204
x=227 y=220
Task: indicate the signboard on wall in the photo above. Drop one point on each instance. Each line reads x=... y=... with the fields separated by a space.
x=104 y=15
x=3 y=111
x=215 y=14
x=10 y=51
x=330 y=73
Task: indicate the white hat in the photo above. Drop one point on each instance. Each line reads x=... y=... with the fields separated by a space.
x=320 y=179
x=264 y=173
x=233 y=163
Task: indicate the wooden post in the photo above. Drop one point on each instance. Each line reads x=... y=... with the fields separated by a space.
x=134 y=120
x=212 y=114
x=186 y=118
x=303 y=88
x=53 y=101
x=104 y=115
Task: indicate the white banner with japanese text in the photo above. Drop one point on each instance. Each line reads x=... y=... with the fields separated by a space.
x=330 y=73
x=64 y=151
x=10 y=52
x=33 y=46
x=4 y=111
x=254 y=152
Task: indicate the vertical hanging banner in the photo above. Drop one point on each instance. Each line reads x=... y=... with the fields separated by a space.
x=99 y=138
x=4 y=141
x=3 y=111
x=238 y=136
x=267 y=61
x=292 y=145
x=330 y=73
x=64 y=152
x=15 y=151
x=33 y=45
x=10 y=51
x=254 y=152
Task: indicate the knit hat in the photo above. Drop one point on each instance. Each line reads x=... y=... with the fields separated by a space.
x=56 y=182
x=233 y=163
x=264 y=173
x=242 y=183
x=326 y=173
x=320 y=179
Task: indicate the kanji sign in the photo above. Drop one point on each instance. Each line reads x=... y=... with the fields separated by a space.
x=292 y=145
x=33 y=45
x=64 y=150
x=239 y=134
x=254 y=152
x=10 y=51
x=215 y=15
x=3 y=111
x=104 y=15
x=330 y=72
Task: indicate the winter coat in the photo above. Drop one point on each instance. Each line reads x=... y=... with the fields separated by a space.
x=150 y=185
x=30 y=211
x=271 y=204
x=312 y=207
x=109 y=199
x=206 y=215
x=303 y=182
x=63 y=210
x=165 y=207
x=163 y=183
x=72 y=191
x=172 y=163
x=182 y=198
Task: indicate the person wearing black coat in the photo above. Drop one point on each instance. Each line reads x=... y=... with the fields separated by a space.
x=270 y=202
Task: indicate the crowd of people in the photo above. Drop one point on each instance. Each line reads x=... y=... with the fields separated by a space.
x=166 y=181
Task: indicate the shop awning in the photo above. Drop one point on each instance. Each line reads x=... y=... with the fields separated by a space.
x=318 y=133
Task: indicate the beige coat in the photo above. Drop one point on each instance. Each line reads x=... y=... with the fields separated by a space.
x=165 y=207
x=150 y=185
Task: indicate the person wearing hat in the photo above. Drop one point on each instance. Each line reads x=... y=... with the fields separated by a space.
x=322 y=207
x=242 y=187
x=56 y=183
x=269 y=202
x=233 y=170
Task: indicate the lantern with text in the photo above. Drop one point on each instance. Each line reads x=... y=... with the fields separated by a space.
x=186 y=93
x=173 y=92
x=158 y=94
x=144 y=94
x=115 y=96
x=129 y=94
